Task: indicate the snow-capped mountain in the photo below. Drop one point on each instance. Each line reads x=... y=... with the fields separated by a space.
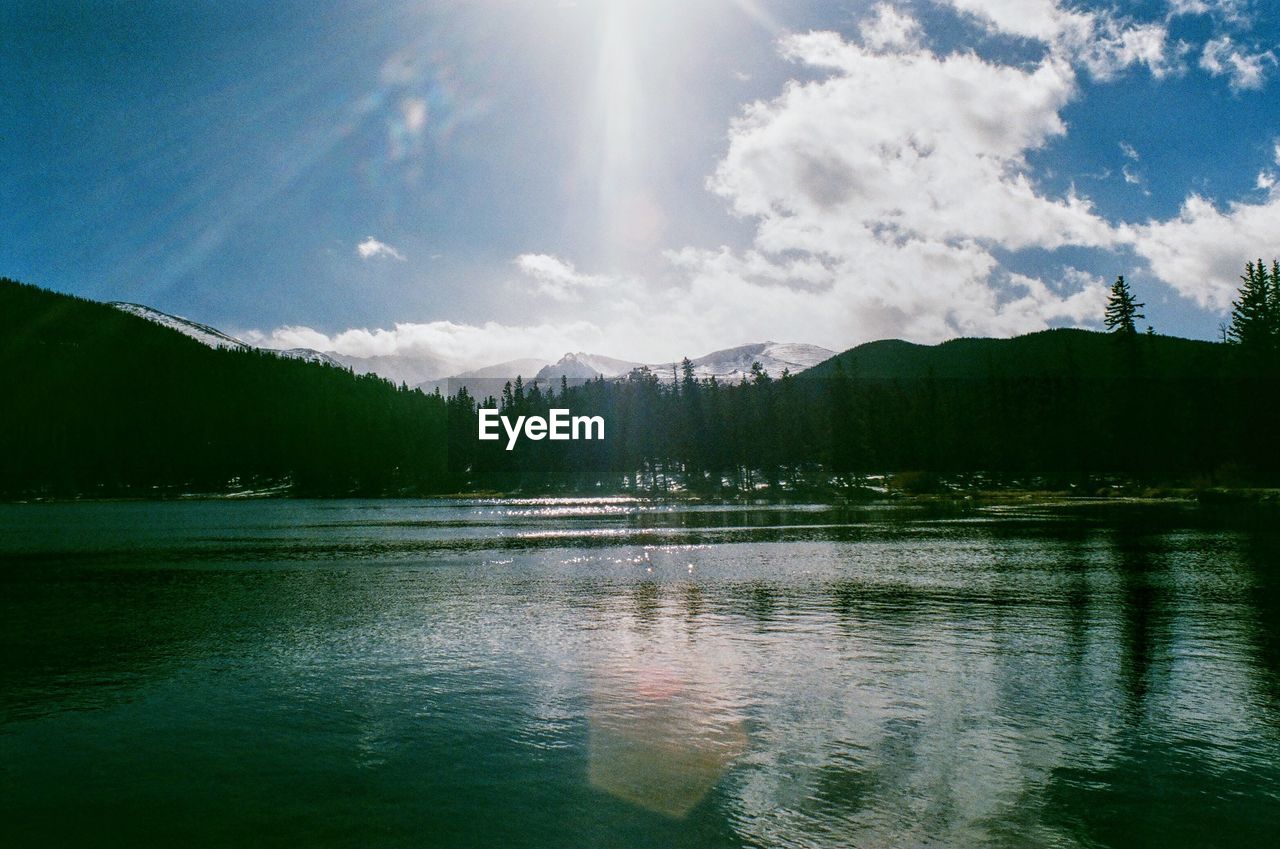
x=732 y=364
x=310 y=355
x=215 y=338
x=581 y=365
x=202 y=333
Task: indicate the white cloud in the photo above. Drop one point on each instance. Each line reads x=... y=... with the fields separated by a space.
x=458 y=346
x=558 y=279
x=1043 y=20
x=1112 y=45
x=1232 y=11
x=899 y=146
x=887 y=27
x=1266 y=180
x=894 y=179
x=1099 y=40
x=1244 y=70
x=371 y=248
x=1200 y=253
x=881 y=195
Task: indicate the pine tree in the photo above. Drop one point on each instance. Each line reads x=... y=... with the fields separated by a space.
x=1253 y=319
x=1122 y=309
x=1273 y=300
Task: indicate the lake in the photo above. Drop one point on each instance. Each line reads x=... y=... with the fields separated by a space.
x=621 y=673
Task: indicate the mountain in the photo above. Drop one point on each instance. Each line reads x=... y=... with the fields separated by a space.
x=202 y=333
x=1057 y=353
x=504 y=370
x=103 y=400
x=424 y=372
x=581 y=365
x=215 y=338
x=484 y=381
x=728 y=365
x=307 y=355
x=732 y=364
x=411 y=371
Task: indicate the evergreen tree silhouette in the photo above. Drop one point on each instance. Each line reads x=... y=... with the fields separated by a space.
x=1253 y=314
x=1122 y=309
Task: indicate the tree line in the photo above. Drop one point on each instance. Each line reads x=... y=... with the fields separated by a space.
x=98 y=402
x=1062 y=407
x=1150 y=408
x=101 y=403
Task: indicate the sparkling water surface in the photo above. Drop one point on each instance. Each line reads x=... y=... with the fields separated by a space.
x=619 y=673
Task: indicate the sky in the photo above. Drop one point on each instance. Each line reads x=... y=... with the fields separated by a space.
x=647 y=179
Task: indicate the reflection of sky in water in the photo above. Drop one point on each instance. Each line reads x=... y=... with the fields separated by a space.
x=861 y=679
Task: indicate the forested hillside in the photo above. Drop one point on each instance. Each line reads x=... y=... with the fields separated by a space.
x=100 y=402
x=1066 y=406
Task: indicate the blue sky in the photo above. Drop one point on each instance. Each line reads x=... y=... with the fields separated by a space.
x=475 y=181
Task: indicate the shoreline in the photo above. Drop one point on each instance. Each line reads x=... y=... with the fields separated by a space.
x=957 y=498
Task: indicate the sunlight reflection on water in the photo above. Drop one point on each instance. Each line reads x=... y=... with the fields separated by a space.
x=660 y=736
x=367 y=673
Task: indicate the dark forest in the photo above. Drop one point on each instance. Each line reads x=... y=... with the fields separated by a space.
x=101 y=403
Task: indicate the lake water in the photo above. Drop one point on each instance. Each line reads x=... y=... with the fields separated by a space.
x=625 y=674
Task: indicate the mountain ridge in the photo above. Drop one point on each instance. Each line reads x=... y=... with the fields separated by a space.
x=212 y=337
x=1063 y=352
x=727 y=364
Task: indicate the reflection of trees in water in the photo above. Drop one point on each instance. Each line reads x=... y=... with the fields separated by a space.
x=1184 y=770
x=1037 y=690
x=1260 y=552
x=1063 y=672
x=1143 y=608
x=646 y=603
x=84 y=638
x=695 y=602
x=763 y=602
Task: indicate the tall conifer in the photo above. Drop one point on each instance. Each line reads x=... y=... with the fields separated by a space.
x=1122 y=309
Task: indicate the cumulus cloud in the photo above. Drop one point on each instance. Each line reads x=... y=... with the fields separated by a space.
x=896 y=177
x=371 y=248
x=558 y=279
x=902 y=146
x=883 y=188
x=1199 y=253
x=887 y=27
x=1100 y=40
x=1244 y=70
x=880 y=194
x=457 y=346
